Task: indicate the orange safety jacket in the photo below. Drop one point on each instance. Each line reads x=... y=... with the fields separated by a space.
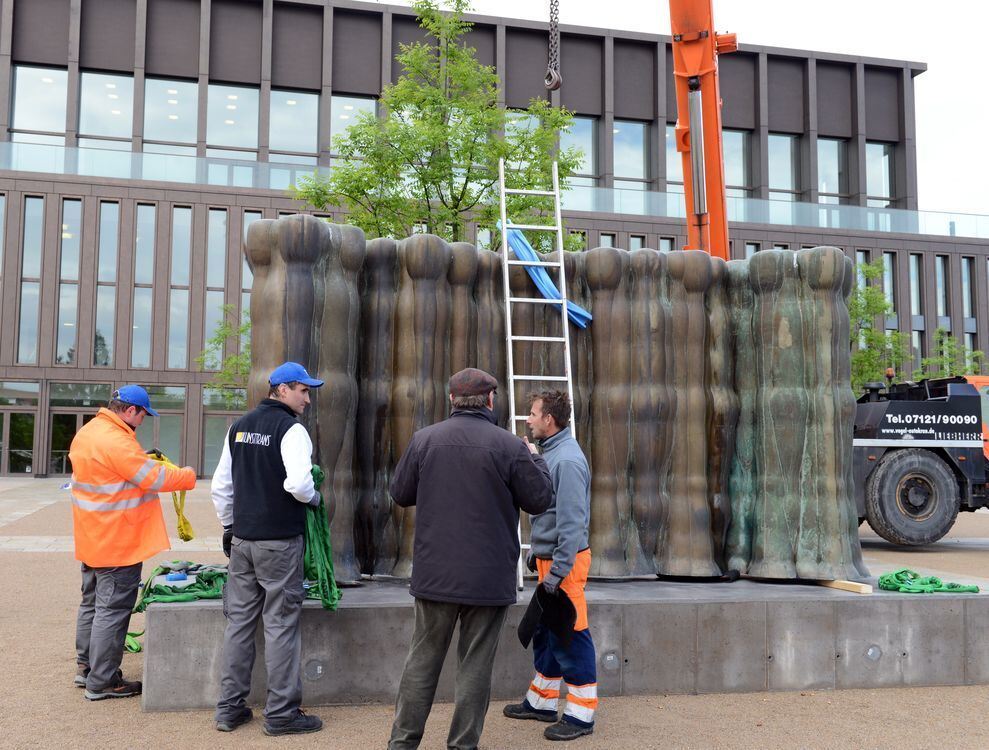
x=116 y=513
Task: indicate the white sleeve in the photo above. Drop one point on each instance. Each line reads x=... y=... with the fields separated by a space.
x=222 y=485
x=296 y=450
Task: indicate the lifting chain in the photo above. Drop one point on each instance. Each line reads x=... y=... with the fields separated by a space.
x=553 y=78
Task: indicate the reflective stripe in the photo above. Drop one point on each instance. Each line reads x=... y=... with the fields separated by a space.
x=540 y=703
x=590 y=703
x=581 y=713
x=590 y=690
x=102 y=489
x=104 y=505
x=157 y=484
x=144 y=471
x=541 y=681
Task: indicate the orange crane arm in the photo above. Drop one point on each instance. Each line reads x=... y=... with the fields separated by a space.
x=698 y=130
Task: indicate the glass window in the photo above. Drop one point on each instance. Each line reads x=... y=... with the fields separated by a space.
x=636 y=242
x=71 y=229
x=109 y=228
x=21 y=456
x=483 y=238
x=751 y=248
x=941 y=284
x=832 y=167
x=68 y=301
x=879 y=170
x=18 y=394
x=232 y=116
x=606 y=240
x=170 y=110
x=214 y=432
x=178 y=329
x=344 y=111
x=166 y=397
x=144 y=244
x=27 y=335
x=889 y=279
x=170 y=435
x=181 y=244
x=968 y=292
x=861 y=258
x=667 y=244
x=583 y=135
x=224 y=399
x=247 y=279
x=141 y=333
x=916 y=274
x=216 y=248
x=674 y=159
x=3 y=227
x=630 y=140
x=737 y=160
x=83 y=395
x=212 y=319
x=917 y=344
x=103 y=336
x=39 y=99
x=294 y=121
x=33 y=237
x=106 y=105
x=784 y=163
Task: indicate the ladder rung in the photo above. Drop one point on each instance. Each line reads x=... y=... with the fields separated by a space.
x=509 y=191
x=558 y=339
x=534 y=227
x=536 y=300
x=554 y=378
x=554 y=263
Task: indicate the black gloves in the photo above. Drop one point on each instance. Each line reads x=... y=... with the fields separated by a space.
x=551 y=582
x=228 y=536
x=530 y=562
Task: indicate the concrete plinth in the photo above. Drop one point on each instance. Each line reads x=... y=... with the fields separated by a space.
x=651 y=637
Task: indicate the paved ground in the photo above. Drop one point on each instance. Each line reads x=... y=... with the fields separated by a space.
x=40 y=708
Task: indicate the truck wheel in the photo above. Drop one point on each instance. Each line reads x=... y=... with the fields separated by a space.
x=912 y=497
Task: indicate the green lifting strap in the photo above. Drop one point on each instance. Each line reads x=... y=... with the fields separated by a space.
x=318 y=560
x=907 y=581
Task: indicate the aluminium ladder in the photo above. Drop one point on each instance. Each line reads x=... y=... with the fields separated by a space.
x=517 y=421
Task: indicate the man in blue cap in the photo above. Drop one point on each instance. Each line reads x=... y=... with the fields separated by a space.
x=117 y=525
x=260 y=489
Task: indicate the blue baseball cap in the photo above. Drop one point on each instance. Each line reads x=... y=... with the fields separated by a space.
x=134 y=395
x=292 y=372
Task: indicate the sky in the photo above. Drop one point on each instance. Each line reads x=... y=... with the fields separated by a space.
x=952 y=107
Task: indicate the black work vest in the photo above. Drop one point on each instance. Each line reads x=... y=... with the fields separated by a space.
x=262 y=507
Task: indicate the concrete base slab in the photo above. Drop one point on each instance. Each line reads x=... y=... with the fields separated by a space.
x=651 y=637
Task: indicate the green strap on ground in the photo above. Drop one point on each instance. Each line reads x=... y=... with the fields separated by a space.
x=317 y=570
x=907 y=581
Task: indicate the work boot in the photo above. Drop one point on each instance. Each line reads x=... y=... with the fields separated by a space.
x=302 y=723
x=119 y=688
x=564 y=730
x=228 y=724
x=82 y=672
x=524 y=711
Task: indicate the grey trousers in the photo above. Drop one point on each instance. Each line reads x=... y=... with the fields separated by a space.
x=480 y=628
x=265 y=581
x=108 y=596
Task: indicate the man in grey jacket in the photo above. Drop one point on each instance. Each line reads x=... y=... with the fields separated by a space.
x=562 y=557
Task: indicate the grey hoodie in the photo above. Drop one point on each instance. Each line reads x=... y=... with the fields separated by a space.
x=561 y=532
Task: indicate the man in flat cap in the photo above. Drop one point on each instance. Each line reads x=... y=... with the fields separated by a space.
x=467 y=478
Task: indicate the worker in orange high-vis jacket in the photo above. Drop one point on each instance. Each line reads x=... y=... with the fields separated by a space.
x=561 y=556
x=117 y=524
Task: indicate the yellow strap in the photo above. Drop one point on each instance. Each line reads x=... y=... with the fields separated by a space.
x=178 y=500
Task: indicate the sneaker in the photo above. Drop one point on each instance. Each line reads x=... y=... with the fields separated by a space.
x=120 y=688
x=524 y=711
x=301 y=724
x=230 y=724
x=564 y=730
x=82 y=672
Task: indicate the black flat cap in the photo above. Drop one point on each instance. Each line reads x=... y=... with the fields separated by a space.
x=472 y=382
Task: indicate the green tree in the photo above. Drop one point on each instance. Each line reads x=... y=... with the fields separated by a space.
x=429 y=161
x=874 y=349
x=230 y=372
x=949 y=358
